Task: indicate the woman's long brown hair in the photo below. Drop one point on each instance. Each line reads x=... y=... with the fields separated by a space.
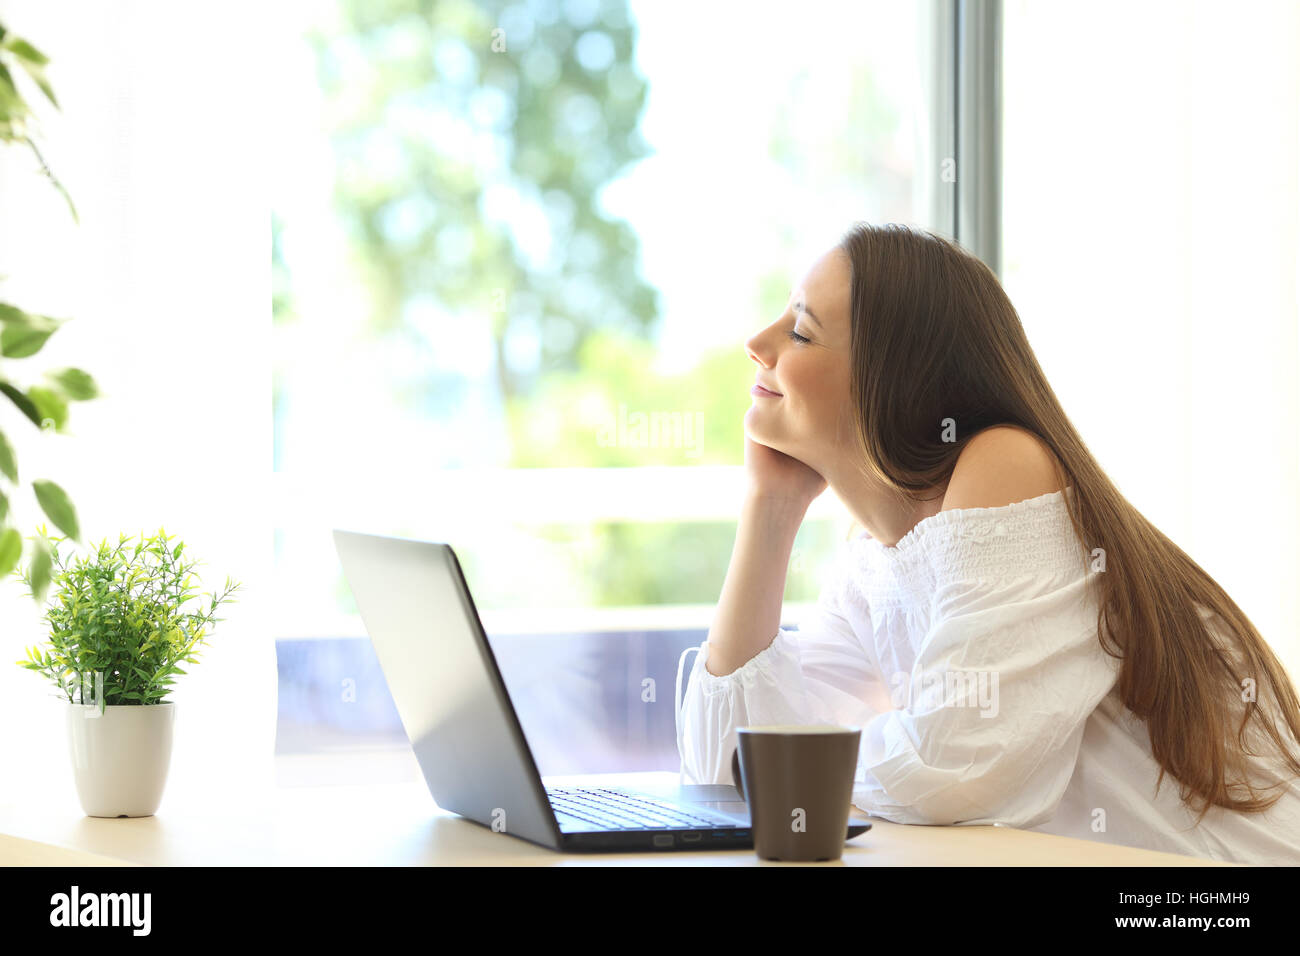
x=934 y=337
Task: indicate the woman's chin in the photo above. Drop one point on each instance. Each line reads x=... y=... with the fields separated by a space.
x=758 y=430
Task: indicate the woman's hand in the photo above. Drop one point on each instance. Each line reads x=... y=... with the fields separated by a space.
x=775 y=475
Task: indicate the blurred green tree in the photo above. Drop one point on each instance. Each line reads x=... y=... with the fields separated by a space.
x=458 y=127
x=471 y=142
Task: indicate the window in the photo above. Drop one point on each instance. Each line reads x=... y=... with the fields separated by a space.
x=518 y=249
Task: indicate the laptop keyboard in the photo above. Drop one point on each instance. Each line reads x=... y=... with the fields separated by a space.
x=621 y=810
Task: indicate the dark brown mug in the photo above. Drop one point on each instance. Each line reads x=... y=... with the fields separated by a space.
x=798 y=783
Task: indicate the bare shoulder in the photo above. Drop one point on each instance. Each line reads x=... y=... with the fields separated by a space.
x=999 y=466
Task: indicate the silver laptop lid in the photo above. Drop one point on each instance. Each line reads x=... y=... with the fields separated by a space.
x=445 y=682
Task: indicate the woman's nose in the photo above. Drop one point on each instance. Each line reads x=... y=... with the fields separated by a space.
x=760 y=349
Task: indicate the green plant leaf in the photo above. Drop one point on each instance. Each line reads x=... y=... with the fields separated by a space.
x=11 y=549
x=12 y=106
x=11 y=313
x=50 y=405
x=22 y=401
x=25 y=51
x=8 y=461
x=42 y=561
x=58 y=508
x=75 y=384
x=33 y=61
x=26 y=336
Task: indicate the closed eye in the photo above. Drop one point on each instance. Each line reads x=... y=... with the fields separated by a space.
x=797 y=337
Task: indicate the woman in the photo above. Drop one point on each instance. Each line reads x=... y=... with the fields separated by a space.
x=1113 y=690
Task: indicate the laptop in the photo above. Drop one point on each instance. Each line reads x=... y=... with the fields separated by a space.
x=457 y=713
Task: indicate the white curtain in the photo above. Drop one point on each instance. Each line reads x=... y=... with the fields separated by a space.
x=161 y=142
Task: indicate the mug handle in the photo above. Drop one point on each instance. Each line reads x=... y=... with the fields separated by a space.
x=735 y=773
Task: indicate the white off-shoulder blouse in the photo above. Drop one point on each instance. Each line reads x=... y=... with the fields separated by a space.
x=968 y=654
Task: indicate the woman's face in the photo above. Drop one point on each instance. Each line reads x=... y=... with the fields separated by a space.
x=804 y=357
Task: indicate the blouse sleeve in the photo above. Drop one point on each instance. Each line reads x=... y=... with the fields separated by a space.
x=820 y=673
x=1003 y=683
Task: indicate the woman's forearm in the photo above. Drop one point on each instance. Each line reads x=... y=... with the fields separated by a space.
x=749 y=608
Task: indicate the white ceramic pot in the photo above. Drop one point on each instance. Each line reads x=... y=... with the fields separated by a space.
x=120 y=758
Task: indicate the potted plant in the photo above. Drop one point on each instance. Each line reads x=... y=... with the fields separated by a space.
x=118 y=633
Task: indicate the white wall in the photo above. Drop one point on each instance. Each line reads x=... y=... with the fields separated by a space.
x=161 y=141
x=1152 y=247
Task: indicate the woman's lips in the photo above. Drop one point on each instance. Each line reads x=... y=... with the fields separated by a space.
x=762 y=392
